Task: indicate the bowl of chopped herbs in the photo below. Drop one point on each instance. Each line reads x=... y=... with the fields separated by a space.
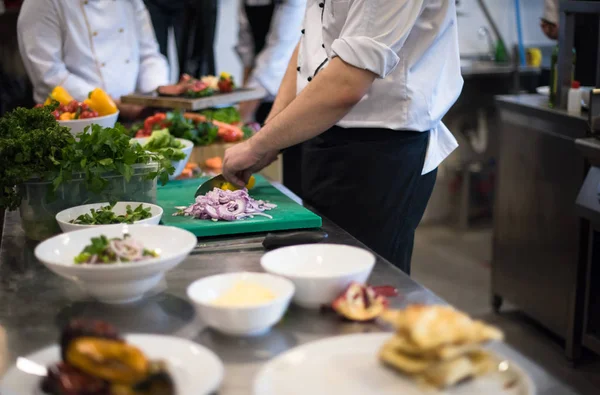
x=101 y=214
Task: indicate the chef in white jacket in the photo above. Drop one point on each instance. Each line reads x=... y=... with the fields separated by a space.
x=84 y=44
x=366 y=90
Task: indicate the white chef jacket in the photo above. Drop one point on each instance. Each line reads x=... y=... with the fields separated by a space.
x=411 y=45
x=84 y=44
x=270 y=64
x=551 y=11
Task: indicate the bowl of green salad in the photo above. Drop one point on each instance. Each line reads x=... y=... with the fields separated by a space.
x=102 y=214
x=177 y=150
x=116 y=263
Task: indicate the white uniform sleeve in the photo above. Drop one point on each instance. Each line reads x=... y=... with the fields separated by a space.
x=374 y=33
x=245 y=44
x=154 y=69
x=40 y=43
x=551 y=11
x=284 y=35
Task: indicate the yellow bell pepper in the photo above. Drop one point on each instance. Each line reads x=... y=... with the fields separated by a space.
x=101 y=102
x=227 y=186
x=59 y=94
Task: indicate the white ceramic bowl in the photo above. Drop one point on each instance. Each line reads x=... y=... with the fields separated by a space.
x=320 y=272
x=240 y=321
x=78 y=125
x=65 y=217
x=122 y=282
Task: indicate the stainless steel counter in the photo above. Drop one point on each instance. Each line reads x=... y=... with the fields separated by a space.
x=34 y=304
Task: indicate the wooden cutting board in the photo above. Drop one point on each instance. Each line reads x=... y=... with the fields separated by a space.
x=193 y=104
x=288 y=214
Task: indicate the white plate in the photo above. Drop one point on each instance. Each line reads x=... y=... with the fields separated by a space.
x=194 y=368
x=348 y=365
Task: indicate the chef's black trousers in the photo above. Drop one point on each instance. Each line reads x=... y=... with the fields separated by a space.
x=368 y=181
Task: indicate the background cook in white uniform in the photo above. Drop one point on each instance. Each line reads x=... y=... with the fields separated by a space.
x=84 y=44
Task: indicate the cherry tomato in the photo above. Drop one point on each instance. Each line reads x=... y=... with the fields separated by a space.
x=72 y=106
x=94 y=113
x=38 y=106
x=230 y=136
x=56 y=114
x=62 y=108
x=84 y=106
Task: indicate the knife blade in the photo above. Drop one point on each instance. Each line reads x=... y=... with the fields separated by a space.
x=270 y=242
x=210 y=184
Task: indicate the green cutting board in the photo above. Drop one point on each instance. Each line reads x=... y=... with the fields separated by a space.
x=287 y=215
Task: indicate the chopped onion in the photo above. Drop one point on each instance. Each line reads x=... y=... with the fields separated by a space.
x=224 y=205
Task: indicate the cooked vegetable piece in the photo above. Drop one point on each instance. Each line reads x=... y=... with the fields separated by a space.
x=115 y=361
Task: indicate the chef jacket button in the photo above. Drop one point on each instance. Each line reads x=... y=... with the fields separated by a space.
x=309 y=79
x=94 y=34
x=298 y=68
x=127 y=61
x=302 y=31
x=323 y=45
x=121 y=30
x=85 y=2
x=321 y=5
x=103 y=64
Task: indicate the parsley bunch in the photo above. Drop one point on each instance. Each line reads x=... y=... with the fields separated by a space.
x=31 y=142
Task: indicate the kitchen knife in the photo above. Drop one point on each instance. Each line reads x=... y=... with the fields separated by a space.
x=270 y=242
x=210 y=184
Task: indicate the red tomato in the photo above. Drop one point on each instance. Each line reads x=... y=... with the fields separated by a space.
x=94 y=113
x=38 y=106
x=84 y=106
x=56 y=114
x=85 y=115
x=72 y=106
x=229 y=136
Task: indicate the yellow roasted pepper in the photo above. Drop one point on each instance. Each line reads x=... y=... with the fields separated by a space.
x=101 y=102
x=111 y=360
x=59 y=94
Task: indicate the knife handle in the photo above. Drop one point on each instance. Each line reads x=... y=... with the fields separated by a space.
x=273 y=241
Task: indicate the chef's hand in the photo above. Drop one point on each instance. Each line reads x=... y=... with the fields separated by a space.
x=549 y=29
x=244 y=159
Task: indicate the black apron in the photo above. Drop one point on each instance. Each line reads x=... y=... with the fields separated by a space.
x=368 y=181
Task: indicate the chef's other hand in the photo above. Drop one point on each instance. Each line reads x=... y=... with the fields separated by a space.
x=550 y=29
x=130 y=112
x=244 y=159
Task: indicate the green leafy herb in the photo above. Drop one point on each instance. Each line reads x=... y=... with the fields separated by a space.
x=105 y=216
x=31 y=145
x=228 y=115
x=163 y=143
x=203 y=93
x=103 y=150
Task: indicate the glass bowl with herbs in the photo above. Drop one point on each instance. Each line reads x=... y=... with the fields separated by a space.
x=46 y=170
x=101 y=214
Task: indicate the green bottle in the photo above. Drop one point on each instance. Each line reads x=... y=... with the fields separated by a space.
x=554 y=75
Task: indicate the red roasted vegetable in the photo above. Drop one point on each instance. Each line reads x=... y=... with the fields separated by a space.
x=360 y=303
